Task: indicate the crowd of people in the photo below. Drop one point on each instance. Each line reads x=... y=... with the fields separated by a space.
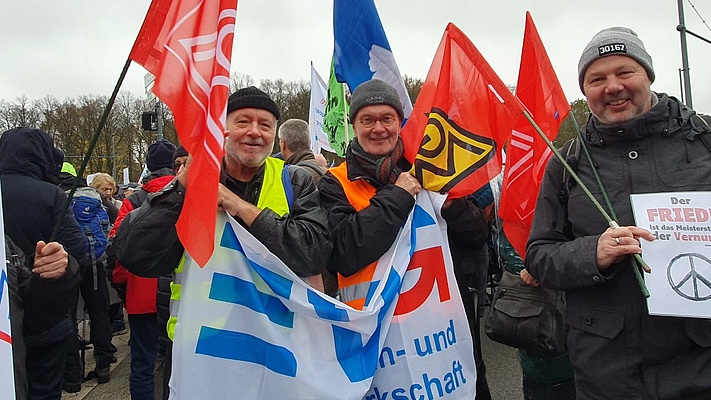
x=639 y=141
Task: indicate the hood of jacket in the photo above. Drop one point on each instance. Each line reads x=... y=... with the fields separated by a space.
x=30 y=152
x=156 y=180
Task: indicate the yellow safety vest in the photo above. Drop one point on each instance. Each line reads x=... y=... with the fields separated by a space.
x=272 y=195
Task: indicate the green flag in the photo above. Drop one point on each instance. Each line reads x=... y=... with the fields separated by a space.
x=336 y=117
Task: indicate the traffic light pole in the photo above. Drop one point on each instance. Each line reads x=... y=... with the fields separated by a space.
x=159 y=119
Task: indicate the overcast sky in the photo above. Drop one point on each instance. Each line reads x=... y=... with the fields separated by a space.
x=77 y=47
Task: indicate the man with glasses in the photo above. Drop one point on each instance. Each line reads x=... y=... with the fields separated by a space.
x=369 y=197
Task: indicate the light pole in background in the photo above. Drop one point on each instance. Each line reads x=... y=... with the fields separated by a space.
x=686 y=77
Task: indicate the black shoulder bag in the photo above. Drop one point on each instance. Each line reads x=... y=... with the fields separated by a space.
x=526 y=317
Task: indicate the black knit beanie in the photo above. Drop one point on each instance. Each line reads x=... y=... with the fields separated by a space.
x=180 y=152
x=251 y=97
x=160 y=155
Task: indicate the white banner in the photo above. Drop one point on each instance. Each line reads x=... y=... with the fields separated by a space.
x=317 y=110
x=248 y=327
x=680 y=256
x=7 y=377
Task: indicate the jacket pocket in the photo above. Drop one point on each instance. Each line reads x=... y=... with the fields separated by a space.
x=699 y=331
x=596 y=322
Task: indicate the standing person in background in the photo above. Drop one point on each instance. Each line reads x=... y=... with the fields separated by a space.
x=141 y=292
x=168 y=296
x=295 y=142
x=26 y=279
x=32 y=205
x=106 y=186
x=94 y=286
x=639 y=141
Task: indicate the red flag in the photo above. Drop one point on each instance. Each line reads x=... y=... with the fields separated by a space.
x=527 y=154
x=462 y=116
x=187 y=45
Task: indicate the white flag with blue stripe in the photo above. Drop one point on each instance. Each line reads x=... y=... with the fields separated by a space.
x=249 y=328
x=361 y=49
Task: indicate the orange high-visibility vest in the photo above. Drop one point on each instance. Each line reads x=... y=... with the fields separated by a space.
x=353 y=289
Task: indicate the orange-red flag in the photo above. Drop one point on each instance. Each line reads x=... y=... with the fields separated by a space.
x=527 y=154
x=462 y=117
x=187 y=45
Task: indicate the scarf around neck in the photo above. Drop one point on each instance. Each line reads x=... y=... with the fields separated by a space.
x=383 y=169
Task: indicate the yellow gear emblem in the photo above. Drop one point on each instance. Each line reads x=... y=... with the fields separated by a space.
x=449 y=153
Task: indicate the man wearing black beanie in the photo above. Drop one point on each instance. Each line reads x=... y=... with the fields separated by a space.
x=277 y=203
x=250 y=177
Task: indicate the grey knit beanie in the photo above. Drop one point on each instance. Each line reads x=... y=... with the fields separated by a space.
x=374 y=92
x=617 y=40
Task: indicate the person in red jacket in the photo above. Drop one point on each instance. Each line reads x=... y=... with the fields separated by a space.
x=141 y=292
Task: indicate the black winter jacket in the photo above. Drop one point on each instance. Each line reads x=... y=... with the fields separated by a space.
x=32 y=205
x=360 y=238
x=300 y=239
x=618 y=350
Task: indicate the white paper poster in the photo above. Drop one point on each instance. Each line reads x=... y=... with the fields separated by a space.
x=680 y=257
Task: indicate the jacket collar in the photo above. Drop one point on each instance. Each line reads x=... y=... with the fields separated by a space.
x=654 y=122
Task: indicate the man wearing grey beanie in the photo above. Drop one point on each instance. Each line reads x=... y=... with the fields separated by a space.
x=639 y=142
x=370 y=195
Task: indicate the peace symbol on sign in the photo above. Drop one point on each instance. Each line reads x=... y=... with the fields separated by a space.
x=689 y=275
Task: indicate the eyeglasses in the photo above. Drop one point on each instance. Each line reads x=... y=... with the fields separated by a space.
x=369 y=122
x=177 y=164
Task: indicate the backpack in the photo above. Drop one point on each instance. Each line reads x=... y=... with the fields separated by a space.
x=93 y=218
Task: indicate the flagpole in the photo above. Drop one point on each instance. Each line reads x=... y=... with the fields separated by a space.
x=345 y=116
x=92 y=144
x=612 y=223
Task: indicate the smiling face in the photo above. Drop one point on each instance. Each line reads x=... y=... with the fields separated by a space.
x=250 y=138
x=617 y=89
x=378 y=140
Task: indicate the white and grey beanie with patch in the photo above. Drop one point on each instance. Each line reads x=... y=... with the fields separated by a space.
x=619 y=41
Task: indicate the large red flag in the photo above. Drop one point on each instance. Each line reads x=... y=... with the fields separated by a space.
x=462 y=117
x=527 y=154
x=187 y=45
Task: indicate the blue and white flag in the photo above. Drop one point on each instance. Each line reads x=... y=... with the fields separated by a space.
x=317 y=110
x=249 y=328
x=361 y=49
